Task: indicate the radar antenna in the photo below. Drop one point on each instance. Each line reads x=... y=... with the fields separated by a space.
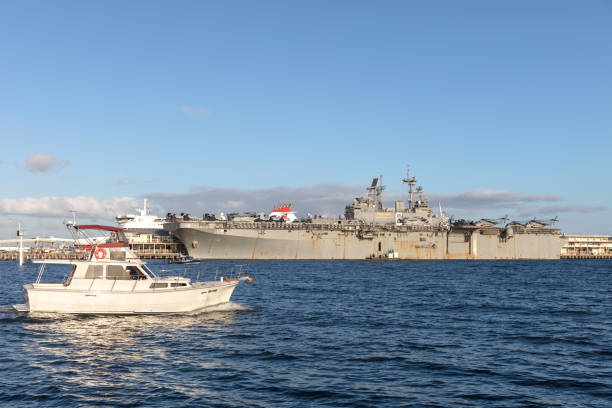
x=411 y=182
x=73 y=222
x=375 y=191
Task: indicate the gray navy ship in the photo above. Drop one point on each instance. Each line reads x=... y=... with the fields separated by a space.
x=367 y=230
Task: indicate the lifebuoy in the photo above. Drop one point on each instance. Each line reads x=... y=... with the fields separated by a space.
x=100 y=253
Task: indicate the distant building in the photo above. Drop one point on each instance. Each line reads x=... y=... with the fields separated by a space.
x=587 y=246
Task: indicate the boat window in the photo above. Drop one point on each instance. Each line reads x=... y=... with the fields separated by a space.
x=175 y=284
x=158 y=285
x=135 y=273
x=117 y=255
x=94 y=271
x=116 y=272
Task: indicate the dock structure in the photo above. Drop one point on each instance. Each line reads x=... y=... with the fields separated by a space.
x=587 y=247
x=145 y=246
x=33 y=253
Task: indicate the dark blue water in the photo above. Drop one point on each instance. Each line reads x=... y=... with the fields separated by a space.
x=332 y=334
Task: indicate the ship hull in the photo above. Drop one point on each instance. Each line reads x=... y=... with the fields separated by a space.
x=257 y=241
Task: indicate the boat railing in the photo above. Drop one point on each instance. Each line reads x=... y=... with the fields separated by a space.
x=226 y=272
x=232 y=271
x=41 y=270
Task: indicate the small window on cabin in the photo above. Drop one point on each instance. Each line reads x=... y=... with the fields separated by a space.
x=117 y=255
x=116 y=272
x=158 y=285
x=176 y=284
x=94 y=272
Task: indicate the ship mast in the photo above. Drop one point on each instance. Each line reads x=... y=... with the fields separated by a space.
x=375 y=191
x=411 y=182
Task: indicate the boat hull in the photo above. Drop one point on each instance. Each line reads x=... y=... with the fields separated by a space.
x=55 y=298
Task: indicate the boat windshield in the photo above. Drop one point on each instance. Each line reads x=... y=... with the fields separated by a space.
x=70 y=275
x=148 y=270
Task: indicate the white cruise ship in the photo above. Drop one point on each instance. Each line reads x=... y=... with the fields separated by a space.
x=144 y=221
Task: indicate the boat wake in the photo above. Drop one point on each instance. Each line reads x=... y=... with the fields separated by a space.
x=9 y=308
x=16 y=308
x=224 y=307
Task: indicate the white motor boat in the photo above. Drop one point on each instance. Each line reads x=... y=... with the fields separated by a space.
x=113 y=280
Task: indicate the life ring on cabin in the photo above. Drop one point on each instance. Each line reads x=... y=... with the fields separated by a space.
x=100 y=253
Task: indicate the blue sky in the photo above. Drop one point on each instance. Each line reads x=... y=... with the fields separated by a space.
x=114 y=101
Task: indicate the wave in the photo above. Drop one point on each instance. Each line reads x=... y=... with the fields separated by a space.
x=224 y=307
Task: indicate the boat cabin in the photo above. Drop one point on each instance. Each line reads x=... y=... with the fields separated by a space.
x=109 y=271
x=111 y=265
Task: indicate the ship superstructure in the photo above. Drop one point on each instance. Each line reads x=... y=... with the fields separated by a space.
x=371 y=210
x=368 y=229
x=141 y=222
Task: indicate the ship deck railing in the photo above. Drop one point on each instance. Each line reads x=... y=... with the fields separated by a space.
x=349 y=227
x=225 y=225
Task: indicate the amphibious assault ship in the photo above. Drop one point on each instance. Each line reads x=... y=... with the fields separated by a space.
x=367 y=230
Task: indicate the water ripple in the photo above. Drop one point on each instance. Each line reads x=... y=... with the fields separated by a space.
x=356 y=334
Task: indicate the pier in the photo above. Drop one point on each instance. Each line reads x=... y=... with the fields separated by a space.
x=144 y=246
x=29 y=254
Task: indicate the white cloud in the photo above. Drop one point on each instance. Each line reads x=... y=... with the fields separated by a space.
x=324 y=199
x=195 y=111
x=8 y=223
x=131 y=182
x=40 y=162
x=491 y=199
x=86 y=207
x=556 y=209
x=331 y=199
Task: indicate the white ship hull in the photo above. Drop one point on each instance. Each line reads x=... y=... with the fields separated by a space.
x=126 y=297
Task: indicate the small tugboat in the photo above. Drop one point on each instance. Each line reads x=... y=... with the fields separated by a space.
x=184 y=260
x=113 y=280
